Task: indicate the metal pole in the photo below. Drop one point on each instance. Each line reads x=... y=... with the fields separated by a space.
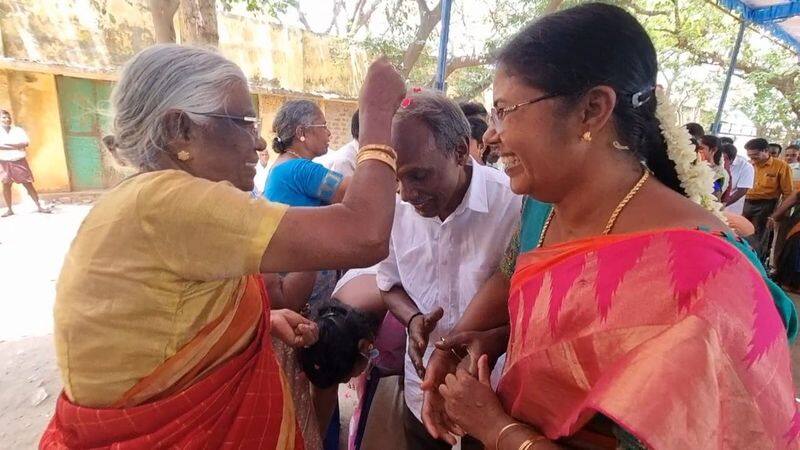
x=734 y=54
x=442 y=63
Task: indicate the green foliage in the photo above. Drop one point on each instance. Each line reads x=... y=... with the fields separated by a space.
x=271 y=8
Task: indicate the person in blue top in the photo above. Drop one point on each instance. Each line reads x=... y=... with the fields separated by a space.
x=301 y=134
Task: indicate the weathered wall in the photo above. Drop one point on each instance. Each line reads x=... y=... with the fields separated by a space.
x=41 y=38
x=338 y=114
x=74 y=36
x=33 y=101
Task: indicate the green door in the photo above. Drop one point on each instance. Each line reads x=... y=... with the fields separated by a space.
x=82 y=104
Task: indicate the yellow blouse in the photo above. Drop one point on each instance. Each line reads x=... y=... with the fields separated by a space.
x=156 y=259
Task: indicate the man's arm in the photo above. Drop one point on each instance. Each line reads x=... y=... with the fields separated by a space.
x=735 y=195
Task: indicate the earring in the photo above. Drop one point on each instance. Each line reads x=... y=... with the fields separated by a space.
x=302 y=138
x=619 y=146
x=587 y=137
x=183 y=155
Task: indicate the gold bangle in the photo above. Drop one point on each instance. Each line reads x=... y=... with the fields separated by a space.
x=373 y=154
x=381 y=148
x=503 y=431
x=378 y=156
x=531 y=442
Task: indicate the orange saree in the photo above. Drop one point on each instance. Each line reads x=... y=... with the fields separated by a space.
x=673 y=335
x=224 y=389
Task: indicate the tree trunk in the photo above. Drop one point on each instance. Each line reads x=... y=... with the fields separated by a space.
x=163 y=12
x=199 y=22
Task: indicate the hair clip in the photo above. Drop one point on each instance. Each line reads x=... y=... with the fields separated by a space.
x=278 y=138
x=405 y=103
x=640 y=98
x=416 y=89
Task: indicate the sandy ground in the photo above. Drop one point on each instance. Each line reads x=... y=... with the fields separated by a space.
x=32 y=248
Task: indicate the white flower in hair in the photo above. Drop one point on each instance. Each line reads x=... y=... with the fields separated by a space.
x=697 y=179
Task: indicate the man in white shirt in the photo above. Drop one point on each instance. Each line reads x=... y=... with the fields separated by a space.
x=13 y=165
x=344 y=159
x=260 y=180
x=451 y=226
x=742 y=175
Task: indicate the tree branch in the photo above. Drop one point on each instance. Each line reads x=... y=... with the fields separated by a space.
x=163 y=13
x=552 y=6
x=462 y=62
x=427 y=22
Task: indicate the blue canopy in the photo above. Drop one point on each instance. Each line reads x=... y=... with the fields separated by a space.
x=779 y=17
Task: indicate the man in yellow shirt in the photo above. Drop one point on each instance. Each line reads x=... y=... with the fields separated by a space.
x=773 y=179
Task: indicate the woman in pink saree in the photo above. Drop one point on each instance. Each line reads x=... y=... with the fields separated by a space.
x=629 y=325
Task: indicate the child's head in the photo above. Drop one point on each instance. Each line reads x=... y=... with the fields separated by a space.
x=344 y=347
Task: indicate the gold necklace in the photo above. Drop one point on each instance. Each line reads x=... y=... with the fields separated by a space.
x=293 y=153
x=614 y=215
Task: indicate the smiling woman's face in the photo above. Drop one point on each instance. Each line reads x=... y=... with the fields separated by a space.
x=224 y=149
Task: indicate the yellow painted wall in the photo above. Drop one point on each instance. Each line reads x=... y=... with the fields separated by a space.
x=34 y=107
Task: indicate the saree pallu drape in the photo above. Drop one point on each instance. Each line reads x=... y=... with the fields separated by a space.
x=204 y=396
x=673 y=335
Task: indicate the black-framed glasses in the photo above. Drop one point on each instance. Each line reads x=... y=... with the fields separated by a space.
x=498 y=114
x=245 y=121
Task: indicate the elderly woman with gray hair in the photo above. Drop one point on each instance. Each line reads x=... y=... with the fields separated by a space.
x=162 y=322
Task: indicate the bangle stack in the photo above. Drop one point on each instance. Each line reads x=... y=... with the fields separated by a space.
x=382 y=153
x=528 y=444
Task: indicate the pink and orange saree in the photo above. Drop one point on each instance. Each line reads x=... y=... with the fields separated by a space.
x=204 y=396
x=673 y=335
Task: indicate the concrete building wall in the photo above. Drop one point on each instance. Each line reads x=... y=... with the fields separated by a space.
x=42 y=39
x=33 y=101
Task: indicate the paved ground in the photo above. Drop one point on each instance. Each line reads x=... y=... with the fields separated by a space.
x=32 y=248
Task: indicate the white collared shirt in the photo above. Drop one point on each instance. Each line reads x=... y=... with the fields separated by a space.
x=260 y=180
x=742 y=176
x=15 y=135
x=342 y=160
x=443 y=264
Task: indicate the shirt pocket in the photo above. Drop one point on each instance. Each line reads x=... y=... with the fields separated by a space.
x=770 y=181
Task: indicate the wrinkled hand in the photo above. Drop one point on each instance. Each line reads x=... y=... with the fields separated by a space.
x=471 y=404
x=419 y=329
x=441 y=364
x=468 y=345
x=292 y=328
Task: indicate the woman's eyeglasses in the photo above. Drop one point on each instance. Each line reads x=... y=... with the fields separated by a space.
x=498 y=114
x=323 y=125
x=250 y=123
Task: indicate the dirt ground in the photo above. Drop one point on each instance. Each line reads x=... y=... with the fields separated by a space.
x=32 y=247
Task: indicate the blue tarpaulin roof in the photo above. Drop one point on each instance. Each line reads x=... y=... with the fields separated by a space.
x=779 y=17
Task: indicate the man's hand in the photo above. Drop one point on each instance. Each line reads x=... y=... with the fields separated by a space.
x=419 y=329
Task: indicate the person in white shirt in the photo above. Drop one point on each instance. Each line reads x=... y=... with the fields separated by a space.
x=14 y=167
x=451 y=225
x=344 y=159
x=742 y=176
x=792 y=157
x=260 y=180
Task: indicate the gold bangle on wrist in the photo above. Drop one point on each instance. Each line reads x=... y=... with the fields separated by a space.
x=504 y=430
x=376 y=156
x=380 y=148
x=530 y=443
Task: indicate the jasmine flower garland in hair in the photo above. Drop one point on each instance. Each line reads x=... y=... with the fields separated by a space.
x=697 y=179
